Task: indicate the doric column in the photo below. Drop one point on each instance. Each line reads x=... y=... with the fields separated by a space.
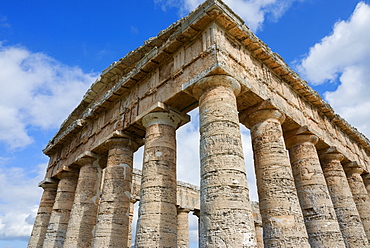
x=282 y=219
x=131 y=217
x=157 y=223
x=43 y=214
x=56 y=232
x=257 y=224
x=225 y=210
x=318 y=210
x=366 y=178
x=359 y=193
x=85 y=206
x=182 y=228
x=341 y=196
x=112 y=226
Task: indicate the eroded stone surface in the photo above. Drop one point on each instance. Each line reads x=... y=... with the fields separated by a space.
x=345 y=208
x=359 y=193
x=157 y=224
x=283 y=224
x=85 y=205
x=112 y=226
x=225 y=211
x=317 y=208
x=58 y=223
x=43 y=214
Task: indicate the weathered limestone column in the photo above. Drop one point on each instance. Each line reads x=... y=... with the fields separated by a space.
x=85 y=206
x=112 y=226
x=348 y=218
x=225 y=210
x=130 y=218
x=182 y=228
x=318 y=210
x=44 y=212
x=366 y=179
x=56 y=232
x=282 y=219
x=257 y=224
x=157 y=223
x=359 y=193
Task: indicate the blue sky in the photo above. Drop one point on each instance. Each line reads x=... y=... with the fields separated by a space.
x=51 y=51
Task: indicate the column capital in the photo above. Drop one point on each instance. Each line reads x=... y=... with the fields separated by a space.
x=127 y=140
x=213 y=81
x=260 y=113
x=182 y=210
x=330 y=154
x=300 y=136
x=170 y=118
x=366 y=178
x=353 y=168
x=86 y=158
x=48 y=183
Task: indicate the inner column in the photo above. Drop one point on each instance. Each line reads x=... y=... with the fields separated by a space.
x=359 y=192
x=157 y=223
x=226 y=218
x=112 y=227
x=348 y=218
x=56 y=232
x=317 y=207
x=282 y=219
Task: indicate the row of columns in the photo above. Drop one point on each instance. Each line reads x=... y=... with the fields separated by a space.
x=306 y=198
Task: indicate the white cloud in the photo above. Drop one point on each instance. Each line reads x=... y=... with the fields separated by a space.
x=254 y=12
x=19 y=201
x=36 y=91
x=344 y=55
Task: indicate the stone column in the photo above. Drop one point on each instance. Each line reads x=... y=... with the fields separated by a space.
x=56 y=232
x=85 y=206
x=112 y=226
x=130 y=218
x=225 y=210
x=182 y=228
x=348 y=218
x=359 y=193
x=318 y=210
x=282 y=219
x=157 y=223
x=366 y=179
x=257 y=224
x=43 y=214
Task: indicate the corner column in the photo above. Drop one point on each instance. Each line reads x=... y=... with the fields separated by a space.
x=226 y=218
x=345 y=208
x=359 y=193
x=157 y=223
x=85 y=206
x=282 y=219
x=112 y=226
x=56 y=232
x=318 y=210
x=43 y=213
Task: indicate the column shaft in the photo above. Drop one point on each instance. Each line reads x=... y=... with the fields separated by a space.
x=182 y=228
x=56 y=232
x=43 y=215
x=225 y=210
x=282 y=219
x=360 y=195
x=85 y=206
x=318 y=210
x=344 y=205
x=131 y=217
x=112 y=226
x=157 y=224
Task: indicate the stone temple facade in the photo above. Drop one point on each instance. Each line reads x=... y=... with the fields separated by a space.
x=312 y=167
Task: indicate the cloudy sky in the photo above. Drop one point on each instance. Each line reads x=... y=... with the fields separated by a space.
x=51 y=51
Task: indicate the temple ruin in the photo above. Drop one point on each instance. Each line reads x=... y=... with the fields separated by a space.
x=312 y=167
